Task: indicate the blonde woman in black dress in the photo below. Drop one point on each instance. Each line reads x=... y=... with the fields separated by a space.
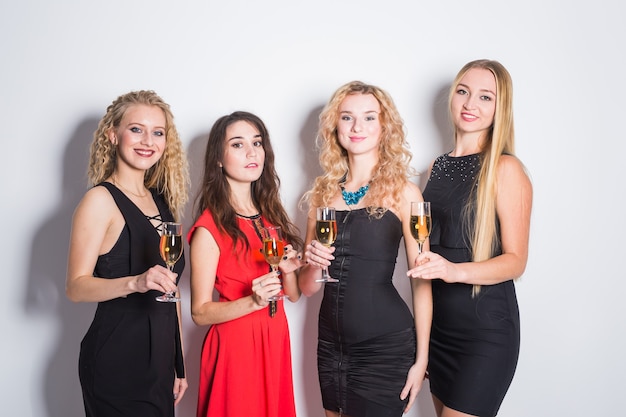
x=131 y=359
x=481 y=201
x=372 y=352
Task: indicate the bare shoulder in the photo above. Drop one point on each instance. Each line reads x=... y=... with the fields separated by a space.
x=412 y=192
x=511 y=164
x=96 y=203
x=512 y=170
x=514 y=185
x=96 y=224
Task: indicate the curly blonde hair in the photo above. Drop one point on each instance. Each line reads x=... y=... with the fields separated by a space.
x=392 y=171
x=169 y=176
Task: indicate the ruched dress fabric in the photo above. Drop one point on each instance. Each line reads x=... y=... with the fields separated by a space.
x=366 y=331
x=132 y=353
x=245 y=367
x=474 y=344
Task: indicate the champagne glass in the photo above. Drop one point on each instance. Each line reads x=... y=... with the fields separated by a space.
x=326 y=233
x=171 y=248
x=273 y=250
x=421 y=222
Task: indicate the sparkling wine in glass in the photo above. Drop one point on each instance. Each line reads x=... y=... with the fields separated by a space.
x=421 y=222
x=273 y=250
x=326 y=233
x=171 y=248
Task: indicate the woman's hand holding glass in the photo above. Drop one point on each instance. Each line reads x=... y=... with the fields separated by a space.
x=319 y=255
x=291 y=261
x=265 y=287
x=274 y=252
x=158 y=278
x=326 y=233
x=171 y=249
x=430 y=265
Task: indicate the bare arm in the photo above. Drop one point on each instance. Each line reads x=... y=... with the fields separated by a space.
x=513 y=205
x=96 y=226
x=422 y=301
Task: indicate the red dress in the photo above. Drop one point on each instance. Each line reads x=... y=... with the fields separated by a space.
x=246 y=362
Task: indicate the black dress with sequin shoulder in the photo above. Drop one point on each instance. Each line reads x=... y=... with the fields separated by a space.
x=474 y=343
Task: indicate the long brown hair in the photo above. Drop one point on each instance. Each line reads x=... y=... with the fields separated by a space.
x=214 y=194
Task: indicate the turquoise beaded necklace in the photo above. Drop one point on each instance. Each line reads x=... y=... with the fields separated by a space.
x=353 y=197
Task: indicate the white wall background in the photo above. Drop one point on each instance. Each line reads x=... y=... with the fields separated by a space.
x=63 y=62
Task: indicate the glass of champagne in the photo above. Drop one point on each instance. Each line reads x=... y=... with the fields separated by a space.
x=326 y=233
x=421 y=222
x=171 y=248
x=273 y=250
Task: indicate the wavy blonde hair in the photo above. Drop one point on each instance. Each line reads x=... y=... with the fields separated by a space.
x=500 y=140
x=392 y=171
x=169 y=176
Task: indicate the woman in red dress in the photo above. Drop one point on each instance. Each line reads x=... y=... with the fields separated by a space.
x=246 y=356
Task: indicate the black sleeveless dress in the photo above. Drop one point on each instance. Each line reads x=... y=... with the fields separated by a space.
x=474 y=342
x=366 y=331
x=132 y=353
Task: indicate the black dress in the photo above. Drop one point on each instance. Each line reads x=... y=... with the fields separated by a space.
x=132 y=353
x=366 y=331
x=474 y=342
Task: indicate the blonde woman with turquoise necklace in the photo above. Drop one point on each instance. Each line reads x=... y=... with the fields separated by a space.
x=372 y=353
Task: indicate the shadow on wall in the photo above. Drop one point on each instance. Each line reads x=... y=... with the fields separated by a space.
x=45 y=295
x=441 y=119
x=193 y=335
x=306 y=332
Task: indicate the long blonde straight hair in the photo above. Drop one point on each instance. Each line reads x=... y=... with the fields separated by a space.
x=500 y=140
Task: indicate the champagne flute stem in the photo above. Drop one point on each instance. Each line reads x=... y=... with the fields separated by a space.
x=272 y=306
x=171 y=268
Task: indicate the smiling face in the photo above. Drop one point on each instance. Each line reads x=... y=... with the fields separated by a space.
x=473 y=103
x=140 y=137
x=244 y=156
x=358 y=127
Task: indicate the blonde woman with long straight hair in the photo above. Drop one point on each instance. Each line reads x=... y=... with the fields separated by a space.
x=481 y=200
x=372 y=352
x=131 y=359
